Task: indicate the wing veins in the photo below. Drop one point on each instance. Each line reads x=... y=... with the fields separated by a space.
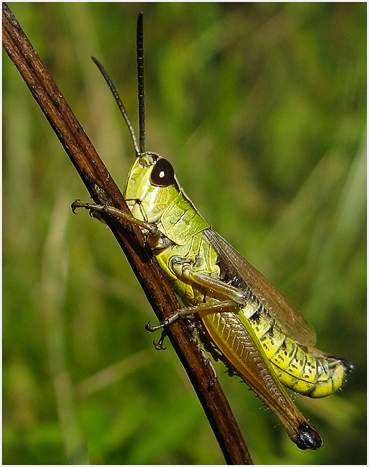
x=288 y=319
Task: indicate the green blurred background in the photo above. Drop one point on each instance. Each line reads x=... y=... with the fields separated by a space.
x=261 y=107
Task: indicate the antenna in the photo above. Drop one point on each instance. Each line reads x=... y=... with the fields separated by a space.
x=141 y=82
x=139 y=148
x=120 y=104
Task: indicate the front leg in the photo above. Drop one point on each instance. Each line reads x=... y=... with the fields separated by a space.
x=99 y=209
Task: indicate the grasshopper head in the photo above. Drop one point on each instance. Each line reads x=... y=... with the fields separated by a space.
x=151 y=187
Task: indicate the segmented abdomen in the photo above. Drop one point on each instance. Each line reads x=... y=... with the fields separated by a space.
x=296 y=367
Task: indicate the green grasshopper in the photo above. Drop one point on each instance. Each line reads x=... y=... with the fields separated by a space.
x=240 y=315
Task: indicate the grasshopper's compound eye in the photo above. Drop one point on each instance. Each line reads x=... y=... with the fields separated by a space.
x=163 y=173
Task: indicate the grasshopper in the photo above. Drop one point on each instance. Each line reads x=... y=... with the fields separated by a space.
x=241 y=317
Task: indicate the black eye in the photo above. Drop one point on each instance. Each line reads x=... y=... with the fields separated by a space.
x=163 y=173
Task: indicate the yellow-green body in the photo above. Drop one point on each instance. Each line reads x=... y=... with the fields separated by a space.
x=185 y=239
